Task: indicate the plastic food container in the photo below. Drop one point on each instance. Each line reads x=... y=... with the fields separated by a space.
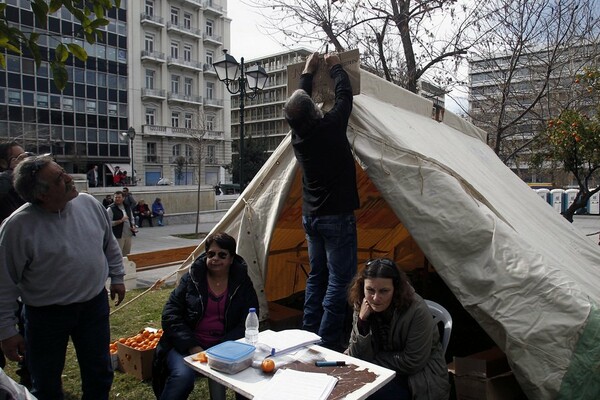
x=230 y=357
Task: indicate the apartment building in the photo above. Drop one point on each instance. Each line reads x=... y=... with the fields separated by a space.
x=263 y=117
x=178 y=107
x=493 y=78
x=81 y=125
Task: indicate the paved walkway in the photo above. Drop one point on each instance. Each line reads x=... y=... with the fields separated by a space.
x=161 y=238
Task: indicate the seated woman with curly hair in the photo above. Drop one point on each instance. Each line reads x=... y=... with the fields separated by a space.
x=394 y=328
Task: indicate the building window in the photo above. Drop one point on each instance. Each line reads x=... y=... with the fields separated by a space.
x=149 y=43
x=175 y=83
x=209 y=57
x=210 y=122
x=174 y=49
x=151 y=152
x=150 y=116
x=188 y=121
x=112 y=109
x=188 y=84
x=176 y=150
x=149 y=8
x=210 y=87
x=175 y=120
x=210 y=154
x=187 y=21
x=175 y=15
x=187 y=52
x=150 y=79
x=189 y=151
x=209 y=27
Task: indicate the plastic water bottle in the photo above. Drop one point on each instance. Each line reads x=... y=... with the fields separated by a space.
x=252 y=327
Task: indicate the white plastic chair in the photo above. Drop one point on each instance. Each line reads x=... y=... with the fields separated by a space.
x=440 y=314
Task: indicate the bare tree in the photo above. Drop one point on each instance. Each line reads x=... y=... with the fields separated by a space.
x=399 y=40
x=523 y=68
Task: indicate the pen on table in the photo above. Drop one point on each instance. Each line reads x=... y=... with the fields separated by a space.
x=330 y=363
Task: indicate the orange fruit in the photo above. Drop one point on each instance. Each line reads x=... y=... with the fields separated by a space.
x=268 y=365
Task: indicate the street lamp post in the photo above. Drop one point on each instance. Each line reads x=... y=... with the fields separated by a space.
x=255 y=77
x=130 y=134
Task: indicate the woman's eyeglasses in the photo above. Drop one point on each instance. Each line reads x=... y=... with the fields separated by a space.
x=222 y=254
x=385 y=261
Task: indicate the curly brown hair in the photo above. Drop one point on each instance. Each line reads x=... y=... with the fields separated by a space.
x=382 y=268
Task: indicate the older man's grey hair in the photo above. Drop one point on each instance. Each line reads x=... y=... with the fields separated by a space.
x=300 y=107
x=26 y=178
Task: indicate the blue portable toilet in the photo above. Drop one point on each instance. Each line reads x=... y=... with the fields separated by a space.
x=593 y=205
x=544 y=194
x=569 y=198
x=556 y=197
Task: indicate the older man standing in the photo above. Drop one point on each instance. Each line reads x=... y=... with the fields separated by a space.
x=57 y=252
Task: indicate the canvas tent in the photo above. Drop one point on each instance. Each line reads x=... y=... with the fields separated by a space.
x=437 y=191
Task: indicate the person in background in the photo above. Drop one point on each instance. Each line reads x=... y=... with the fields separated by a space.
x=209 y=306
x=122 y=223
x=107 y=201
x=92 y=177
x=143 y=213
x=130 y=202
x=158 y=210
x=329 y=198
x=56 y=253
x=117 y=176
x=11 y=154
x=394 y=328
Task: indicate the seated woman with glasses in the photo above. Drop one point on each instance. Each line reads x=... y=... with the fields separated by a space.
x=394 y=328
x=209 y=306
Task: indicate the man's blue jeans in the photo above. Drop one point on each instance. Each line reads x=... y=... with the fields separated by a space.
x=332 y=247
x=47 y=331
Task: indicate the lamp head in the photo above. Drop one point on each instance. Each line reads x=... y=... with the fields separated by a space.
x=257 y=77
x=227 y=69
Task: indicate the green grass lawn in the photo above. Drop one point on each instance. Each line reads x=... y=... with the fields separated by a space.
x=144 y=312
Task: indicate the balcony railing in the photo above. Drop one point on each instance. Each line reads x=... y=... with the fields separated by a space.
x=178 y=62
x=213 y=102
x=211 y=7
x=152 y=20
x=153 y=56
x=195 y=32
x=154 y=93
x=208 y=69
x=173 y=132
x=197 y=3
x=212 y=38
x=184 y=98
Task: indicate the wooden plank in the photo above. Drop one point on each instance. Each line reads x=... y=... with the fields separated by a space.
x=160 y=258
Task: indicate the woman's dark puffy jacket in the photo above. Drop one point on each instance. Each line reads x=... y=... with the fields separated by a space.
x=187 y=305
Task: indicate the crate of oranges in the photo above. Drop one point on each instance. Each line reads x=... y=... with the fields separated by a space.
x=135 y=353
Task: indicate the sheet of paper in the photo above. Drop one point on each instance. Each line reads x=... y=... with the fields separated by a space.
x=296 y=385
x=288 y=340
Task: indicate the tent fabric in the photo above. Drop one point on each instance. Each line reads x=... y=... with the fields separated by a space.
x=435 y=192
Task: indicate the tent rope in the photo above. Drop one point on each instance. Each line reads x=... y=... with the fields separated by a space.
x=156 y=286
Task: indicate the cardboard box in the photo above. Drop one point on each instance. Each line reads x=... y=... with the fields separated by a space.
x=137 y=363
x=500 y=387
x=484 y=364
x=114 y=358
x=485 y=376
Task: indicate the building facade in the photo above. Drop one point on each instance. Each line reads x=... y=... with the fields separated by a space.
x=81 y=125
x=179 y=109
x=501 y=90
